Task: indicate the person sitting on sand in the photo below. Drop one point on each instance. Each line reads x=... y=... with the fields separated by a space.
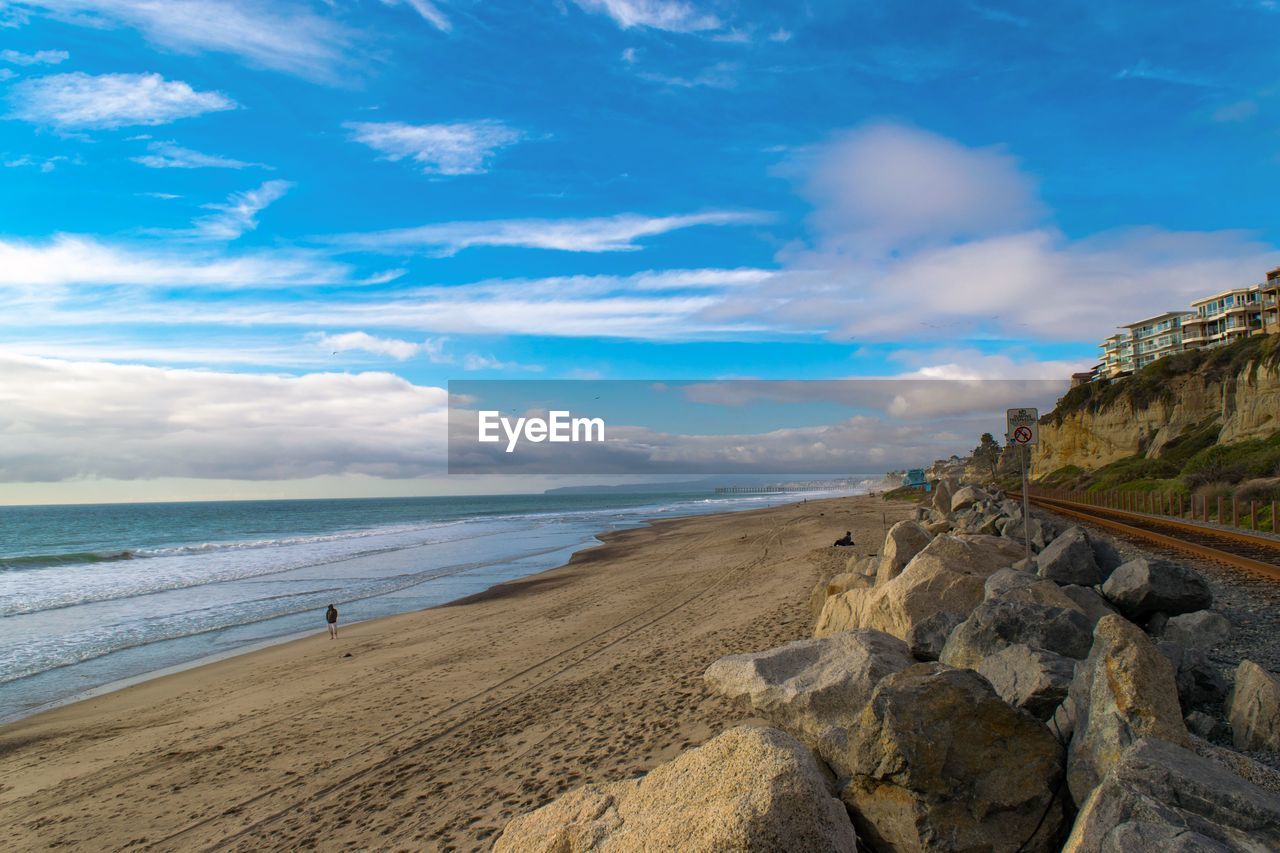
x=331 y=616
x=846 y=541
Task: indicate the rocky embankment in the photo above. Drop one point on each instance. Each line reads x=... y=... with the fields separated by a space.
x=956 y=696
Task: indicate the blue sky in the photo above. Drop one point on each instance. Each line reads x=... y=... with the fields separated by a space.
x=219 y=195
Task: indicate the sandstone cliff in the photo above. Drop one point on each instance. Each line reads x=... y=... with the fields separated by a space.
x=1236 y=389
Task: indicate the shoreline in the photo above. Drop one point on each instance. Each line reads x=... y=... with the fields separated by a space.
x=125 y=681
x=573 y=674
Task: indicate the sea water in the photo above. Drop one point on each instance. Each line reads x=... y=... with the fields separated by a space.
x=95 y=595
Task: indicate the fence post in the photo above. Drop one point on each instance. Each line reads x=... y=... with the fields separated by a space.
x=1219 y=509
x=1235 y=512
x=1253 y=515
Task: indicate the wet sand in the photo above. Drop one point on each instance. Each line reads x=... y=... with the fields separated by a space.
x=429 y=730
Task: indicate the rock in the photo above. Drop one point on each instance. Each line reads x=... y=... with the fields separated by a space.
x=1090 y=603
x=1202 y=725
x=1069 y=559
x=1063 y=721
x=1161 y=797
x=940 y=762
x=965 y=497
x=927 y=639
x=1105 y=554
x=1202 y=629
x=815 y=689
x=947 y=576
x=1016 y=585
x=936 y=527
x=1254 y=708
x=1034 y=680
x=1026 y=564
x=1013 y=529
x=903 y=541
x=1199 y=683
x=1124 y=690
x=867 y=565
x=995 y=624
x=836 y=585
x=747 y=789
x=987 y=525
x=942 y=496
x=1142 y=587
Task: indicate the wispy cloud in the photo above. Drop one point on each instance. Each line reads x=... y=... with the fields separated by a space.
x=674 y=16
x=69 y=259
x=40 y=57
x=79 y=100
x=1236 y=111
x=999 y=16
x=240 y=211
x=1144 y=70
x=462 y=148
x=44 y=164
x=722 y=75
x=170 y=155
x=283 y=36
x=429 y=12
x=602 y=234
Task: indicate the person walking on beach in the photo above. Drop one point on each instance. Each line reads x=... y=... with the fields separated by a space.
x=331 y=616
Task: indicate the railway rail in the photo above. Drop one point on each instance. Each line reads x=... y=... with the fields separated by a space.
x=1248 y=551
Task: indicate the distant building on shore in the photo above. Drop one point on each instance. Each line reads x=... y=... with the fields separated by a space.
x=1222 y=318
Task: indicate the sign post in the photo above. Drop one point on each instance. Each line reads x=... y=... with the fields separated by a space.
x=1022 y=427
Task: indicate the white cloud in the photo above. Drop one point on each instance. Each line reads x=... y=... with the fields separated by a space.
x=170 y=155
x=780 y=35
x=239 y=213
x=78 y=260
x=1144 y=70
x=67 y=420
x=429 y=11
x=44 y=164
x=671 y=15
x=1236 y=111
x=40 y=57
x=722 y=75
x=603 y=234
x=6 y=74
x=79 y=100
x=279 y=35
x=439 y=149
x=391 y=347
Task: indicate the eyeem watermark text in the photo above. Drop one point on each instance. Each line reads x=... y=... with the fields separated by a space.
x=556 y=427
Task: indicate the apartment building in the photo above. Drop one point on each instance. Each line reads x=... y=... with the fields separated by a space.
x=1117 y=356
x=1225 y=317
x=1213 y=321
x=1155 y=337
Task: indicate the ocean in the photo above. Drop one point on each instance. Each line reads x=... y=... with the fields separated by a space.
x=94 y=596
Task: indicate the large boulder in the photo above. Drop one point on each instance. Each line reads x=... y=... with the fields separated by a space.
x=748 y=789
x=942 y=496
x=1016 y=585
x=1069 y=559
x=1105 y=553
x=903 y=541
x=965 y=497
x=995 y=624
x=1090 y=602
x=1161 y=797
x=939 y=761
x=1034 y=680
x=1124 y=690
x=1202 y=629
x=1142 y=587
x=815 y=689
x=1254 y=708
x=948 y=575
x=867 y=565
x=1200 y=684
x=834 y=586
x=928 y=637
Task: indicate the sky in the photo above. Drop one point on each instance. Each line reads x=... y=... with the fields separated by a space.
x=228 y=226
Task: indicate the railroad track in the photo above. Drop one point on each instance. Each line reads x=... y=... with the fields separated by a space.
x=1253 y=553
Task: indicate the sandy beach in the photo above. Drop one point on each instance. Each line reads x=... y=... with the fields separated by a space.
x=431 y=729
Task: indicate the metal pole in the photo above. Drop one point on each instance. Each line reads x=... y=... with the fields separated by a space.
x=1026 y=509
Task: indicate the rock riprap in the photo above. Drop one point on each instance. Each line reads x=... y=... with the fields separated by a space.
x=1069 y=559
x=940 y=762
x=1124 y=690
x=903 y=541
x=1254 y=708
x=1034 y=680
x=1161 y=797
x=1141 y=588
x=996 y=624
x=948 y=575
x=815 y=689
x=747 y=789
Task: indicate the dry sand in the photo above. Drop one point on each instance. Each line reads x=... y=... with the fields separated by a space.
x=430 y=730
